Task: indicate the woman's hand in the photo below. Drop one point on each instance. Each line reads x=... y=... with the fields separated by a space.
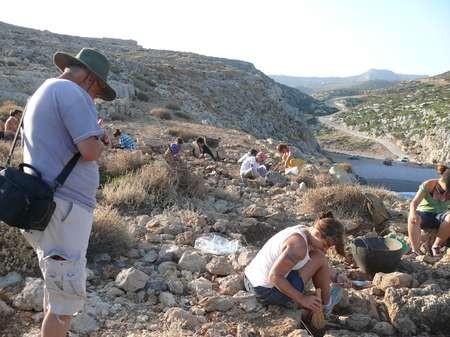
x=413 y=218
x=311 y=302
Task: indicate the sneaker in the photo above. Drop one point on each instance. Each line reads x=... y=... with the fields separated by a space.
x=336 y=296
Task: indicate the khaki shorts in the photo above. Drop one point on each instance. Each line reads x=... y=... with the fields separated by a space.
x=66 y=236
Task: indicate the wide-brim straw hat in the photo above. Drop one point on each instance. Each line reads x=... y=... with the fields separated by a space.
x=94 y=61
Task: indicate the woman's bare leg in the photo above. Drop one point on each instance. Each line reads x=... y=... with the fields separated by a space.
x=443 y=232
x=414 y=234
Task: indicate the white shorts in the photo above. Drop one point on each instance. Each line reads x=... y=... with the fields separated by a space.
x=66 y=236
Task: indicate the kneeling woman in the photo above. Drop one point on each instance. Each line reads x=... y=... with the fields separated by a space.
x=429 y=210
x=279 y=272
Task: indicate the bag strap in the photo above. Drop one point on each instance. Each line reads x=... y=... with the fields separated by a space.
x=16 y=138
x=61 y=178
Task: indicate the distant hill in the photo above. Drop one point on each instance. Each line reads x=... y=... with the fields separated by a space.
x=373 y=79
x=416 y=113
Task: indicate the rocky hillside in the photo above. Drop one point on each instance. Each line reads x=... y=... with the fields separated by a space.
x=149 y=276
x=215 y=91
x=415 y=113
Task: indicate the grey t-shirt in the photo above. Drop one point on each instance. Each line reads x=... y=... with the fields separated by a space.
x=59 y=115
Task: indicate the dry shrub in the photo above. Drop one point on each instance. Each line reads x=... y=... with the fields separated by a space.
x=154 y=185
x=6 y=107
x=324 y=179
x=386 y=195
x=109 y=233
x=173 y=106
x=15 y=253
x=4 y=151
x=116 y=163
x=182 y=115
x=306 y=178
x=346 y=167
x=345 y=201
x=183 y=133
x=161 y=113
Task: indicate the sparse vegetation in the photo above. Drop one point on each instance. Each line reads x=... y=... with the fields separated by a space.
x=173 y=106
x=182 y=115
x=161 y=113
x=346 y=201
x=155 y=185
x=6 y=107
x=183 y=133
x=116 y=163
x=109 y=233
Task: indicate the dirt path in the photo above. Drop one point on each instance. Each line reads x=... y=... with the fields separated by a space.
x=332 y=122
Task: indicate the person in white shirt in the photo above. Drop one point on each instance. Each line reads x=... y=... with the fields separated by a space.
x=253 y=167
x=287 y=261
x=251 y=153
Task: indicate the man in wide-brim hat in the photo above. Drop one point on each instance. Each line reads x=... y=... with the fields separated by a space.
x=61 y=120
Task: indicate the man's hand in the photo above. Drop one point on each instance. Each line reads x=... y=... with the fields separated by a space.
x=105 y=139
x=311 y=302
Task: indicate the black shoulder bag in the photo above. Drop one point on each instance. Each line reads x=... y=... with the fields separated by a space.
x=26 y=200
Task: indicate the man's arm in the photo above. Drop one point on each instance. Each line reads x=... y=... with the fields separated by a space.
x=90 y=148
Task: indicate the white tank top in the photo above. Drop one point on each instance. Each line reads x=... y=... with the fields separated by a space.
x=257 y=272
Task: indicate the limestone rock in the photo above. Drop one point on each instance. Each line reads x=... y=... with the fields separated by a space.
x=231 y=284
x=395 y=279
x=10 y=279
x=32 y=295
x=359 y=302
x=5 y=309
x=342 y=176
x=414 y=310
x=247 y=301
x=254 y=211
x=346 y=333
x=175 y=286
x=357 y=322
x=183 y=318
x=299 y=333
x=167 y=299
x=193 y=261
x=131 y=279
x=217 y=303
x=219 y=266
x=201 y=287
x=384 y=329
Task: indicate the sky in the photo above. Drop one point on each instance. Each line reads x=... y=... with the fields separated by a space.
x=290 y=37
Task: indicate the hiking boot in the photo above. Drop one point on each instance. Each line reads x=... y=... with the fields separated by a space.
x=335 y=297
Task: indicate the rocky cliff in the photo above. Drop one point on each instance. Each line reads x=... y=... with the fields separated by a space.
x=215 y=91
x=416 y=113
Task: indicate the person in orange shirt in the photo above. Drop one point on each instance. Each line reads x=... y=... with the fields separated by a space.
x=12 y=123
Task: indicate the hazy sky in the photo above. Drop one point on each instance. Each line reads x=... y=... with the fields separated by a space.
x=304 y=38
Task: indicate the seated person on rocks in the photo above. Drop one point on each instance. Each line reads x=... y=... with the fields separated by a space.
x=251 y=153
x=201 y=149
x=289 y=163
x=175 y=149
x=429 y=210
x=253 y=167
x=125 y=141
x=12 y=123
x=285 y=264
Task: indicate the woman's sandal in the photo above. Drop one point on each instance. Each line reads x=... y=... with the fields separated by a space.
x=437 y=251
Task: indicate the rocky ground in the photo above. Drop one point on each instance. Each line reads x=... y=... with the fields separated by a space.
x=161 y=284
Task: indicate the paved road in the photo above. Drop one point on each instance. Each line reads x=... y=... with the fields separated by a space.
x=400 y=177
x=332 y=122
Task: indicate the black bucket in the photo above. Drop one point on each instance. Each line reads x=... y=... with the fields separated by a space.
x=377 y=254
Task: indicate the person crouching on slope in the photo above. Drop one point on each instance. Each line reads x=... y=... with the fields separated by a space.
x=253 y=167
x=285 y=264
